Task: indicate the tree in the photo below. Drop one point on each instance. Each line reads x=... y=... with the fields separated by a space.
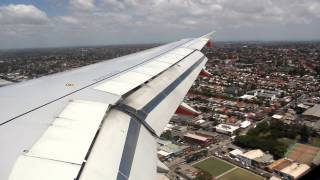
x=167 y=135
x=265 y=136
x=304 y=133
x=260 y=128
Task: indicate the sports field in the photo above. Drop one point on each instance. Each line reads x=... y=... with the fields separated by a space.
x=240 y=174
x=223 y=170
x=214 y=166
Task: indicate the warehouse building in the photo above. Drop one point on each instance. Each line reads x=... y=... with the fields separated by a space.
x=288 y=169
x=256 y=158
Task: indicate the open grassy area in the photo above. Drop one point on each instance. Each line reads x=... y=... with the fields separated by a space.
x=287 y=141
x=240 y=174
x=214 y=166
x=316 y=142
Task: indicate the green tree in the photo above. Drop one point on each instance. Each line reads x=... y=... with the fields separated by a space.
x=167 y=135
x=305 y=133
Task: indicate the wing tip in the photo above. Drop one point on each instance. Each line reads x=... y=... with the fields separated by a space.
x=209 y=35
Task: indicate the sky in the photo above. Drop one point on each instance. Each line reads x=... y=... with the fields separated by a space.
x=55 y=23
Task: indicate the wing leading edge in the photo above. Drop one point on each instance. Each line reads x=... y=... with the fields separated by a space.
x=92 y=138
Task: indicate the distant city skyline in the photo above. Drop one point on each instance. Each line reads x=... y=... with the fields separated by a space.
x=55 y=23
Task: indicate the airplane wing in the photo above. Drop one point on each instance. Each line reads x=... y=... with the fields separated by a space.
x=99 y=121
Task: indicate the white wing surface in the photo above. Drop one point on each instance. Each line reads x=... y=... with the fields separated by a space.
x=99 y=121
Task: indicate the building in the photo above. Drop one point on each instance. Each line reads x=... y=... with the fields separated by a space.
x=312 y=114
x=226 y=129
x=265 y=94
x=162 y=142
x=163 y=155
x=256 y=158
x=187 y=171
x=171 y=150
x=235 y=153
x=247 y=97
x=277 y=116
x=288 y=169
x=232 y=90
x=303 y=106
x=203 y=141
x=213 y=135
x=245 y=124
x=179 y=130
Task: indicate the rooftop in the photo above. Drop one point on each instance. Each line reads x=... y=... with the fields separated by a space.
x=163 y=153
x=290 y=167
x=197 y=137
x=236 y=152
x=171 y=148
x=277 y=116
x=245 y=124
x=253 y=154
x=314 y=111
x=280 y=164
x=227 y=127
x=295 y=169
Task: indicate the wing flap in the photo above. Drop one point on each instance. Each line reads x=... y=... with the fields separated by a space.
x=124 y=149
x=32 y=168
x=105 y=157
x=143 y=167
x=70 y=135
x=68 y=138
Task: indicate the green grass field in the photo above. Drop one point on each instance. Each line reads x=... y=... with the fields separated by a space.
x=316 y=142
x=214 y=166
x=240 y=174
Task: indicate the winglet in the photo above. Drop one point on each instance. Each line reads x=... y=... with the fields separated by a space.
x=209 y=35
x=199 y=43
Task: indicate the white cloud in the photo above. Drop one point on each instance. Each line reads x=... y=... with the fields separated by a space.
x=134 y=21
x=85 y=5
x=22 y=14
x=69 y=20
